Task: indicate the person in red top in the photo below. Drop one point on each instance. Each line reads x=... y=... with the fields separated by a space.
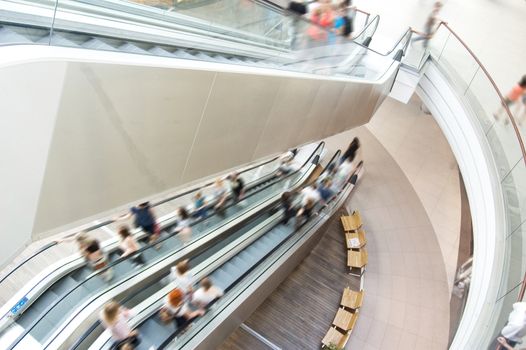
x=517 y=93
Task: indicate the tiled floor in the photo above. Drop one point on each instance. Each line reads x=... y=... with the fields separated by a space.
x=417 y=144
x=406 y=305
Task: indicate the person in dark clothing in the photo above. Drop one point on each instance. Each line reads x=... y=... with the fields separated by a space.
x=237 y=185
x=288 y=209
x=351 y=150
x=343 y=23
x=325 y=190
x=143 y=218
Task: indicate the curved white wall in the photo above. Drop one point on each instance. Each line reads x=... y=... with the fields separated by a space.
x=474 y=157
x=118 y=127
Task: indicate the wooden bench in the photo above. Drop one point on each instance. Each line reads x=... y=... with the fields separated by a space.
x=351 y=223
x=335 y=337
x=355 y=236
x=357 y=260
x=352 y=299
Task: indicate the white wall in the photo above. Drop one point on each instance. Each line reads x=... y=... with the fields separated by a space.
x=125 y=127
x=28 y=108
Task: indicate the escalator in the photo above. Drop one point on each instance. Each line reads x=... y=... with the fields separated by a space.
x=227 y=267
x=60 y=305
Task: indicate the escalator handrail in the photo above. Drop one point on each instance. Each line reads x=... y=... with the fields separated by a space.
x=108 y=222
x=83 y=337
x=167 y=341
x=147 y=246
x=313 y=158
x=334 y=160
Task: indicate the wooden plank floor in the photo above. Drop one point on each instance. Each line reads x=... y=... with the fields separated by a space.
x=300 y=311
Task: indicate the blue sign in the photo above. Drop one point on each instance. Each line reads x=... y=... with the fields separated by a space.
x=19 y=305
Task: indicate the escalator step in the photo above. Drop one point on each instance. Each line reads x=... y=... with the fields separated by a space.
x=156 y=50
x=64 y=285
x=57 y=40
x=9 y=36
x=97 y=44
x=128 y=47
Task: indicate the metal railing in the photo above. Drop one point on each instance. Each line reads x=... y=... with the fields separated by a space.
x=473 y=82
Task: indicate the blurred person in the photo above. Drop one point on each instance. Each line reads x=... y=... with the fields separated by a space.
x=220 y=195
x=351 y=151
x=344 y=172
x=98 y=259
x=515 y=329
x=199 y=206
x=82 y=240
x=310 y=193
x=429 y=29
x=324 y=18
x=504 y=344
x=129 y=245
x=285 y=166
x=305 y=212
x=176 y=309
x=184 y=227
x=325 y=191
x=115 y=318
x=182 y=276
x=343 y=23
x=516 y=93
x=288 y=209
x=143 y=218
x=206 y=294
x=237 y=186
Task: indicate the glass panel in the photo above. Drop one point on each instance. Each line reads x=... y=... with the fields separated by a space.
x=127 y=268
x=20 y=28
x=459 y=64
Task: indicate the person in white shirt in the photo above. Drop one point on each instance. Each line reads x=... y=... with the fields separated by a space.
x=176 y=309
x=182 y=276
x=515 y=329
x=129 y=245
x=115 y=318
x=310 y=193
x=206 y=293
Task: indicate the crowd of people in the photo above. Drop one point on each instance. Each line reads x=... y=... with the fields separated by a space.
x=323 y=189
x=332 y=16
x=185 y=302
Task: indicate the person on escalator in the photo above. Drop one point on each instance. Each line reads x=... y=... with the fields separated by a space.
x=285 y=165
x=115 y=318
x=145 y=219
x=237 y=186
x=305 y=212
x=310 y=193
x=129 y=246
x=205 y=294
x=176 y=309
x=182 y=277
x=98 y=260
x=344 y=172
x=183 y=224
x=343 y=23
x=325 y=191
x=352 y=151
x=288 y=209
x=220 y=193
x=199 y=206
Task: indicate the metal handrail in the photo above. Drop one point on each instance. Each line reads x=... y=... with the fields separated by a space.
x=107 y=222
x=509 y=115
x=128 y=257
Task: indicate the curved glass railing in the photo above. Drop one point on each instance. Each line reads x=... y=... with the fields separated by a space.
x=505 y=135
x=49 y=323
